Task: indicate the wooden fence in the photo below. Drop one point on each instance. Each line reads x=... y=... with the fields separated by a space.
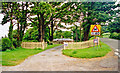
x=32 y=45
x=78 y=45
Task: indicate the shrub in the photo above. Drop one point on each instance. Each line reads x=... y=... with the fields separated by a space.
x=119 y=36
x=6 y=44
x=115 y=35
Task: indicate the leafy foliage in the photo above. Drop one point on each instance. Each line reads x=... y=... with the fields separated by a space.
x=114 y=27
x=48 y=16
x=32 y=35
x=115 y=35
x=104 y=29
x=62 y=34
x=6 y=44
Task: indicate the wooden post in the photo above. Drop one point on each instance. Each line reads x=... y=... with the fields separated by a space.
x=24 y=44
x=64 y=45
x=43 y=45
x=98 y=40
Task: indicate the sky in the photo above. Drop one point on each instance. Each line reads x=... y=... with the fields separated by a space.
x=5 y=28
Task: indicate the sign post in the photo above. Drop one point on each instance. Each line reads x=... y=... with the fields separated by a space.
x=95 y=31
x=65 y=44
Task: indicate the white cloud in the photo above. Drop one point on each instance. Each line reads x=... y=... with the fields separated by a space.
x=3 y=29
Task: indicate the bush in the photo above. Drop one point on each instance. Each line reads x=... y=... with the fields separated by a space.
x=119 y=36
x=6 y=44
x=115 y=35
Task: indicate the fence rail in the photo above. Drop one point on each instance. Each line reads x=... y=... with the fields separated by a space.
x=78 y=45
x=32 y=45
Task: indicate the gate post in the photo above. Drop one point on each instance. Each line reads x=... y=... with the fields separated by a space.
x=43 y=46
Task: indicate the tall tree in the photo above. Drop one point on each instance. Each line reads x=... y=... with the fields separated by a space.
x=59 y=12
x=15 y=11
x=95 y=13
x=7 y=10
x=114 y=25
x=42 y=10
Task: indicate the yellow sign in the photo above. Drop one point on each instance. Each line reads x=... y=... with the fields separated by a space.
x=95 y=30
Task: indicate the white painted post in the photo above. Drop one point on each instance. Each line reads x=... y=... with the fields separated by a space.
x=43 y=45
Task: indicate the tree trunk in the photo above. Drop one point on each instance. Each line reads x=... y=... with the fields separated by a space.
x=39 y=29
x=25 y=18
x=18 y=36
x=51 y=37
x=21 y=23
x=11 y=25
x=43 y=32
x=10 y=31
x=49 y=32
x=80 y=32
x=86 y=33
x=87 y=29
x=76 y=34
x=43 y=26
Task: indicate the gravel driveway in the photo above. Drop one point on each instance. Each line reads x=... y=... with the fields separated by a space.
x=53 y=60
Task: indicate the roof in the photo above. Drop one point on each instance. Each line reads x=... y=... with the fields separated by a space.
x=63 y=39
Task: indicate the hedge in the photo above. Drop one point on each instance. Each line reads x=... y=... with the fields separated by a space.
x=6 y=44
x=115 y=35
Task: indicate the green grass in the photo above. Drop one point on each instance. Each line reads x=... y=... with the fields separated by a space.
x=0 y=52
x=91 y=52
x=0 y=44
x=18 y=55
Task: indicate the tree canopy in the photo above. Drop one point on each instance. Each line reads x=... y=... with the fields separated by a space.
x=46 y=17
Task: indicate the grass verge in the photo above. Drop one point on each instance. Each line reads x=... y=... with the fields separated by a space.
x=18 y=55
x=91 y=52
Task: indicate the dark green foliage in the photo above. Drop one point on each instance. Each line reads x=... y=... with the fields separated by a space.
x=46 y=38
x=67 y=34
x=114 y=27
x=58 y=34
x=78 y=35
x=104 y=29
x=62 y=34
x=10 y=32
x=6 y=44
x=16 y=43
x=115 y=35
x=18 y=12
x=48 y=13
x=31 y=35
x=14 y=33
